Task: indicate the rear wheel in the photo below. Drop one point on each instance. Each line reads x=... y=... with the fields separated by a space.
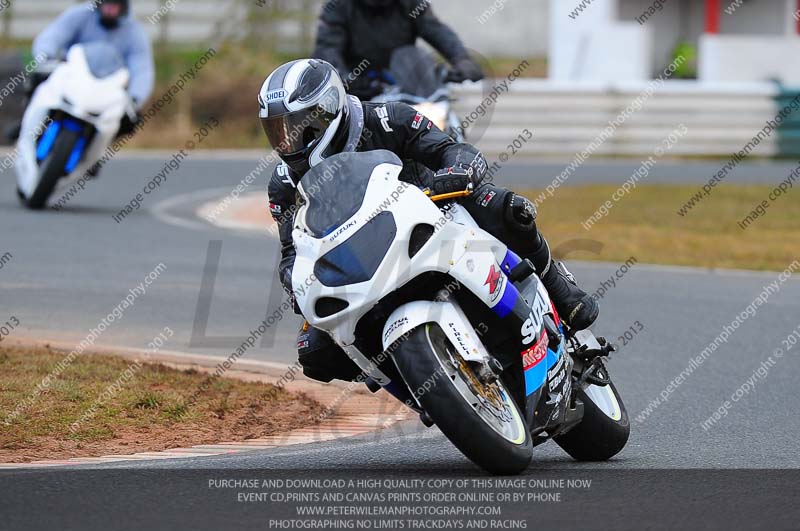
x=605 y=427
x=51 y=170
x=482 y=421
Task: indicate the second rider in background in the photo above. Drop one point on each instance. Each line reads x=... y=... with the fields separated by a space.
x=356 y=32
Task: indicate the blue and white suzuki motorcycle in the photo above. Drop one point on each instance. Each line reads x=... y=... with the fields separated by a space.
x=446 y=318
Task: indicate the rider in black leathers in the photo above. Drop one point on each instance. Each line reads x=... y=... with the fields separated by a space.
x=297 y=117
x=357 y=34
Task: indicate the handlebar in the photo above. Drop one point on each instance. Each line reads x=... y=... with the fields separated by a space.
x=445 y=197
x=453 y=76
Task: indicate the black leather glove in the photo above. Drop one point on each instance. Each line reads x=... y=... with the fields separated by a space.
x=453 y=179
x=128 y=123
x=466 y=69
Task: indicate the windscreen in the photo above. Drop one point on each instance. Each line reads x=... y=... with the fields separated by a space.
x=102 y=58
x=336 y=188
x=415 y=71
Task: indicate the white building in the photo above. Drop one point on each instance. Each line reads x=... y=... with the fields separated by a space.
x=631 y=40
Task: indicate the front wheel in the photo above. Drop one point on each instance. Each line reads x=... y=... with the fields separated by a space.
x=605 y=427
x=51 y=170
x=482 y=421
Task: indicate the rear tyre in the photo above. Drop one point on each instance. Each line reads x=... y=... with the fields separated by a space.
x=51 y=170
x=491 y=431
x=605 y=427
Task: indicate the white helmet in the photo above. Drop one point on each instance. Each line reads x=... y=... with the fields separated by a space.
x=304 y=112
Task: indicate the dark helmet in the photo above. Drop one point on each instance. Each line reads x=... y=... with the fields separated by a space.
x=377 y=4
x=304 y=112
x=112 y=11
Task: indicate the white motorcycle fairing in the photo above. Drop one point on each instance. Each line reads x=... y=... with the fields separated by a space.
x=72 y=89
x=458 y=247
x=376 y=264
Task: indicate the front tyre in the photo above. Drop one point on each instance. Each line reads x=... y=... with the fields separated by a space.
x=605 y=427
x=482 y=421
x=51 y=170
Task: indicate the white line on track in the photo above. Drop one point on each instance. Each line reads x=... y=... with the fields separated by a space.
x=162 y=210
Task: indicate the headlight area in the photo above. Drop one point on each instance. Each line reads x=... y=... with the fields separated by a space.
x=435 y=112
x=358 y=258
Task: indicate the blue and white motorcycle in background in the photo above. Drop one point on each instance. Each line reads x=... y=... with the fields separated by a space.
x=71 y=120
x=443 y=316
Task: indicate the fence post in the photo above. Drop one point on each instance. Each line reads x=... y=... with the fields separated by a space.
x=163 y=28
x=7 y=18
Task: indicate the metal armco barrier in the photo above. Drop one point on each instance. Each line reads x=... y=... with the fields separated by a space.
x=566 y=118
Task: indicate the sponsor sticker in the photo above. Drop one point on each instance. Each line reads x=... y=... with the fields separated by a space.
x=274 y=95
x=555 y=383
x=556 y=368
x=343 y=229
x=487 y=198
x=459 y=337
x=275 y=209
x=556 y=374
x=417 y=121
x=480 y=164
x=535 y=320
x=534 y=355
x=383 y=114
x=495 y=282
x=283 y=173
x=394 y=327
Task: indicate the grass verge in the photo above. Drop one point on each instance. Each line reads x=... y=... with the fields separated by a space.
x=148 y=412
x=645 y=225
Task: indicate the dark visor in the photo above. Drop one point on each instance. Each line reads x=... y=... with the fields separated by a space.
x=294 y=132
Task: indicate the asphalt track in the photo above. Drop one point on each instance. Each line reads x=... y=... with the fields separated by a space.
x=69 y=269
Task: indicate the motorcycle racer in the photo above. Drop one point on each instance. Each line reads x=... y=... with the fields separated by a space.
x=99 y=20
x=307 y=117
x=109 y=21
x=352 y=31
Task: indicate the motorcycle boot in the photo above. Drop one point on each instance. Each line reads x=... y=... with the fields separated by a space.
x=574 y=306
